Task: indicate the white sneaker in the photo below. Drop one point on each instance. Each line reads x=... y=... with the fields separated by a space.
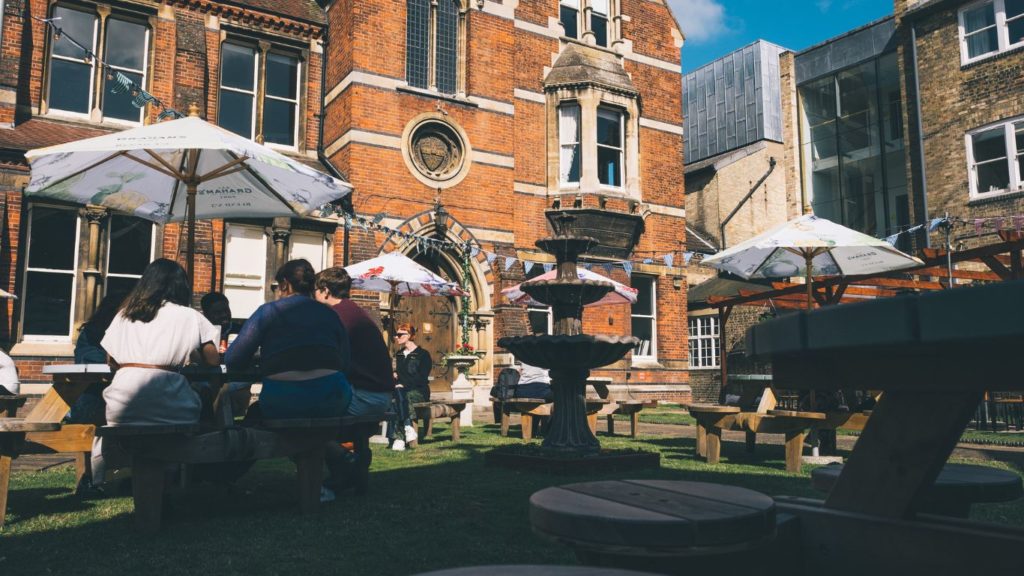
x=410 y=434
x=326 y=495
x=398 y=445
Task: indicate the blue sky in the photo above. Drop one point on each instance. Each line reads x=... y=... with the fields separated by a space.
x=714 y=28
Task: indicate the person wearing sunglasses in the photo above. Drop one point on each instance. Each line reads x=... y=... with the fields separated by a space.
x=412 y=374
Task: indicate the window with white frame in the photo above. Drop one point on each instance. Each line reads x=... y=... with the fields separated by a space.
x=72 y=73
x=315 y=247
x=539 y=318
x=703 y=341
x=50 y=271
x=995 y=157
x=609 y=146
x=242 y=71
x=990 y=27
x=593 y=18
x=644 y=317
x=569 y=144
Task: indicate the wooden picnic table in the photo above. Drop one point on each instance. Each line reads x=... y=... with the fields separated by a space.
x=933 y=355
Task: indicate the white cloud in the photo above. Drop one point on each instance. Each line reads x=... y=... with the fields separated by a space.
x=824 y=5
x=701 y=20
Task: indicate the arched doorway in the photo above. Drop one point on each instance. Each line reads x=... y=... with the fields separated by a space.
x=436 y=320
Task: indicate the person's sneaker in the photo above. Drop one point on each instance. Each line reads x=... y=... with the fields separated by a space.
x=86 y=490
x=326 y=495
x=410 y=435
x=398 y=445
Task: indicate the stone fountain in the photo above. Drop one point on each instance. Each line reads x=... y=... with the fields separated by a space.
x=569 y=355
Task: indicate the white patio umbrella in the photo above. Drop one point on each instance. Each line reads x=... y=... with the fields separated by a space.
x=400 y=275
x=811 y=246
x=622 y=294
x=180 y=170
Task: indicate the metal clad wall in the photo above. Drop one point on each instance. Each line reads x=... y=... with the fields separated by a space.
x=733 y=101
x=844 y=51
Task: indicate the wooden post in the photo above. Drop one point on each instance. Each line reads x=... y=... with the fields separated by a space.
x=148 y=493
x=5 y=479
x=723 y=348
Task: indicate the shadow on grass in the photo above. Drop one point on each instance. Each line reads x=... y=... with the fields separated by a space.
x=433 y=507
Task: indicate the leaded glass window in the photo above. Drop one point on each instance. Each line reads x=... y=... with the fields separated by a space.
x=417 y=42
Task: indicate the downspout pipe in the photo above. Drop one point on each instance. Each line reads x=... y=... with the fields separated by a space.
x=920 y=133
x=721 y=227
x=346 y=202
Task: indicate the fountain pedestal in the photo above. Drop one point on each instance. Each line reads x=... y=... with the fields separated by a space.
x=462 y=388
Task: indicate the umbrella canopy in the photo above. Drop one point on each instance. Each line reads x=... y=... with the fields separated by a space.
x=622 y=294
x=399 y=275
x=811 y=246
x=180 y=170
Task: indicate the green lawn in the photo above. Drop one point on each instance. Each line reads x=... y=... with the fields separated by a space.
x=433 y=507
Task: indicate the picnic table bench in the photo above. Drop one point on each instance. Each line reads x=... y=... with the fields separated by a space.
x=12 y=439
x=532 y=409
x=533 y=570
x=665 y=526
x=427 y=412
x=933 y=356
x=629 y=408
x=957 y=487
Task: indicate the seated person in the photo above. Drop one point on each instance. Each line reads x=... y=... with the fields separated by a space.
x=9 y=383
x=304 y=351
x=153 y=335
x=412 y=372
x=535 y=382
x=217 y=310
x=90 y=408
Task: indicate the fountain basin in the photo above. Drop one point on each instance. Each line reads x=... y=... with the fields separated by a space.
x=577 y=351
x=566 y=248
x=578 y=291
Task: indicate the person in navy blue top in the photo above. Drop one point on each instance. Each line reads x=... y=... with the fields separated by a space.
x=303 y=350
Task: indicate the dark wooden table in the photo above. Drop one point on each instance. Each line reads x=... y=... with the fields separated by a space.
x=534 y=570
x=933 y=356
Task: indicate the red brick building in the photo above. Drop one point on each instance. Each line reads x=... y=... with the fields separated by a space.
x=493 y=111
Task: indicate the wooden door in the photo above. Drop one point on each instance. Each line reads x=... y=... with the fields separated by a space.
x=435 y=321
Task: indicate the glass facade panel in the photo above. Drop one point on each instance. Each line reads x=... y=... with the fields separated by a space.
x=416 y=42
x=852 y=147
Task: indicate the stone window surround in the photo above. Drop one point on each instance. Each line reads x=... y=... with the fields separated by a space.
x=1009 y=146
x=263 y=48
x=589 y=99
x=1002 y=40
x=102 y=12
x=92 y=253
x=460 y=59
x=583 y=15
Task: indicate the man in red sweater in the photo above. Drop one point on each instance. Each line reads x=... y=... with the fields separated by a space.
x=370 y=368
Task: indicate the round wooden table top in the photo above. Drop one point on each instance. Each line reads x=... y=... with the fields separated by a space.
x=714 y=408
x=19 y=425
x=534 y=570
x=967 y=482
x=669 y=514
x=798 y=414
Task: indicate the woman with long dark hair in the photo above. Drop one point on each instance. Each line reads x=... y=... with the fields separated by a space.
x=304 y=350
x=153 y=335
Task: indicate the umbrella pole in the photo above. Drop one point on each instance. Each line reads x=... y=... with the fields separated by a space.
x=808 y=257
x=190 y=217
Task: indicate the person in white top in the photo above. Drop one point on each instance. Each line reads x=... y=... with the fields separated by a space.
x=153 y=335
x=9 y=382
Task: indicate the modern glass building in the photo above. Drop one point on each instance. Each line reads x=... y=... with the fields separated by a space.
x=851 y=130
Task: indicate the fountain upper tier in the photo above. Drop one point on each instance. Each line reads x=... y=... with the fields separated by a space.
x=577 y=351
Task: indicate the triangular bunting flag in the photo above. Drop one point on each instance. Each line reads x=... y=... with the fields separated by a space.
x=509 y=261
x=892 y=239
x=607 y=268
x=628 y=267
x=548 y=266
x=490 y=256
x=648 y=260
x=527 y=266
x=668 y=259
x=687 y=256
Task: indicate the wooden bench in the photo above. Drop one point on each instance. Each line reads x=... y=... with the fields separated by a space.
x=12 y=442
x=629 y=408
x=152 y=447
x=664 y=526
x=957 y=487
x=531 y=409
x=10 y=403
x=427 y=412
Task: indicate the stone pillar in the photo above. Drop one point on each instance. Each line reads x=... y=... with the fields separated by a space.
x=261 y=89
x=99 y=75
x=588 y=101
x=94 y=216
x=282 y=231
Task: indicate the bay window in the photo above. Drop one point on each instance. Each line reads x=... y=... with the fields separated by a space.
x=122 y=43
x=990 y=27
x=569 y=144
x=995 y=157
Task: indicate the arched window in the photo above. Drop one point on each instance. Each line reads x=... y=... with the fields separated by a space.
x=434 y=40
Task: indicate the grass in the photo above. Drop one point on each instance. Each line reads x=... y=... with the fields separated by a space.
x=433 y=507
